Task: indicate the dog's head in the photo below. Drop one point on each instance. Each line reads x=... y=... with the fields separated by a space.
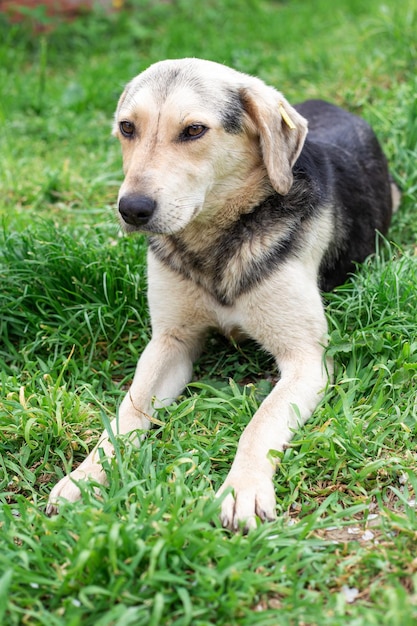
x=193 y=133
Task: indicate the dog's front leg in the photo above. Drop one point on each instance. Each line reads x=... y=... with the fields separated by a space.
x=292 y=328
x=162 y=372
x=250 y=479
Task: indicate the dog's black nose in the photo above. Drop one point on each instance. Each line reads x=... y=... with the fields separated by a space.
x=136 y=209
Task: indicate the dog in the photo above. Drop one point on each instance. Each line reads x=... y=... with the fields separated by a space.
x=252 y=207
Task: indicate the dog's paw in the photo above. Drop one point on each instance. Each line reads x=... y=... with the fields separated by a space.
x=67 y=488
x=251 y=495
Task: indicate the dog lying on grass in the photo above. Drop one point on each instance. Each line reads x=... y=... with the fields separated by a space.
x=251 y=207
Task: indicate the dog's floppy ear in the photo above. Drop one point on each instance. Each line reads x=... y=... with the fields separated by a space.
x=281 y=129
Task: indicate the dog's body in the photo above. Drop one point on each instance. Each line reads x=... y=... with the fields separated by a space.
x=248 y=217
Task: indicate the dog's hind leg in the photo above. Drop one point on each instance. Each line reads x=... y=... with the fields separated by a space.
x=395 y=196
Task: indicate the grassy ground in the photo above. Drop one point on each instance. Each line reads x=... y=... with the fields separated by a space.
x=149 y=550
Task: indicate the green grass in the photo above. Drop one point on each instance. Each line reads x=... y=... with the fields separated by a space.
x=149 y=549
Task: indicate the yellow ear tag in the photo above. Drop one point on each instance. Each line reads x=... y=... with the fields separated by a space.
x=286 y=117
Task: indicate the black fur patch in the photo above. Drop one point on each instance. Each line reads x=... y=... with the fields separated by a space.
x=231 y=115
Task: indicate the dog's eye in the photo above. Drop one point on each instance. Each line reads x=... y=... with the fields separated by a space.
x=194 y=131
x=127 y=129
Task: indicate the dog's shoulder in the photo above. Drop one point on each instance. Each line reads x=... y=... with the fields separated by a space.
x=344 y=154
x=340 y=132
x=330 y=120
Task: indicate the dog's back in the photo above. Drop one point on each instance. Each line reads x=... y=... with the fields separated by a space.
x=353 y=171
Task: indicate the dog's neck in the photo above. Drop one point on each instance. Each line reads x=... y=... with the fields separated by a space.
x=225 y=259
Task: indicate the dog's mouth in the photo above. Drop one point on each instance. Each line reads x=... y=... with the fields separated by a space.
x=153 y=227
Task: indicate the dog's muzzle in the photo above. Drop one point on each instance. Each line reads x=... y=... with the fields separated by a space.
x=136 y=209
